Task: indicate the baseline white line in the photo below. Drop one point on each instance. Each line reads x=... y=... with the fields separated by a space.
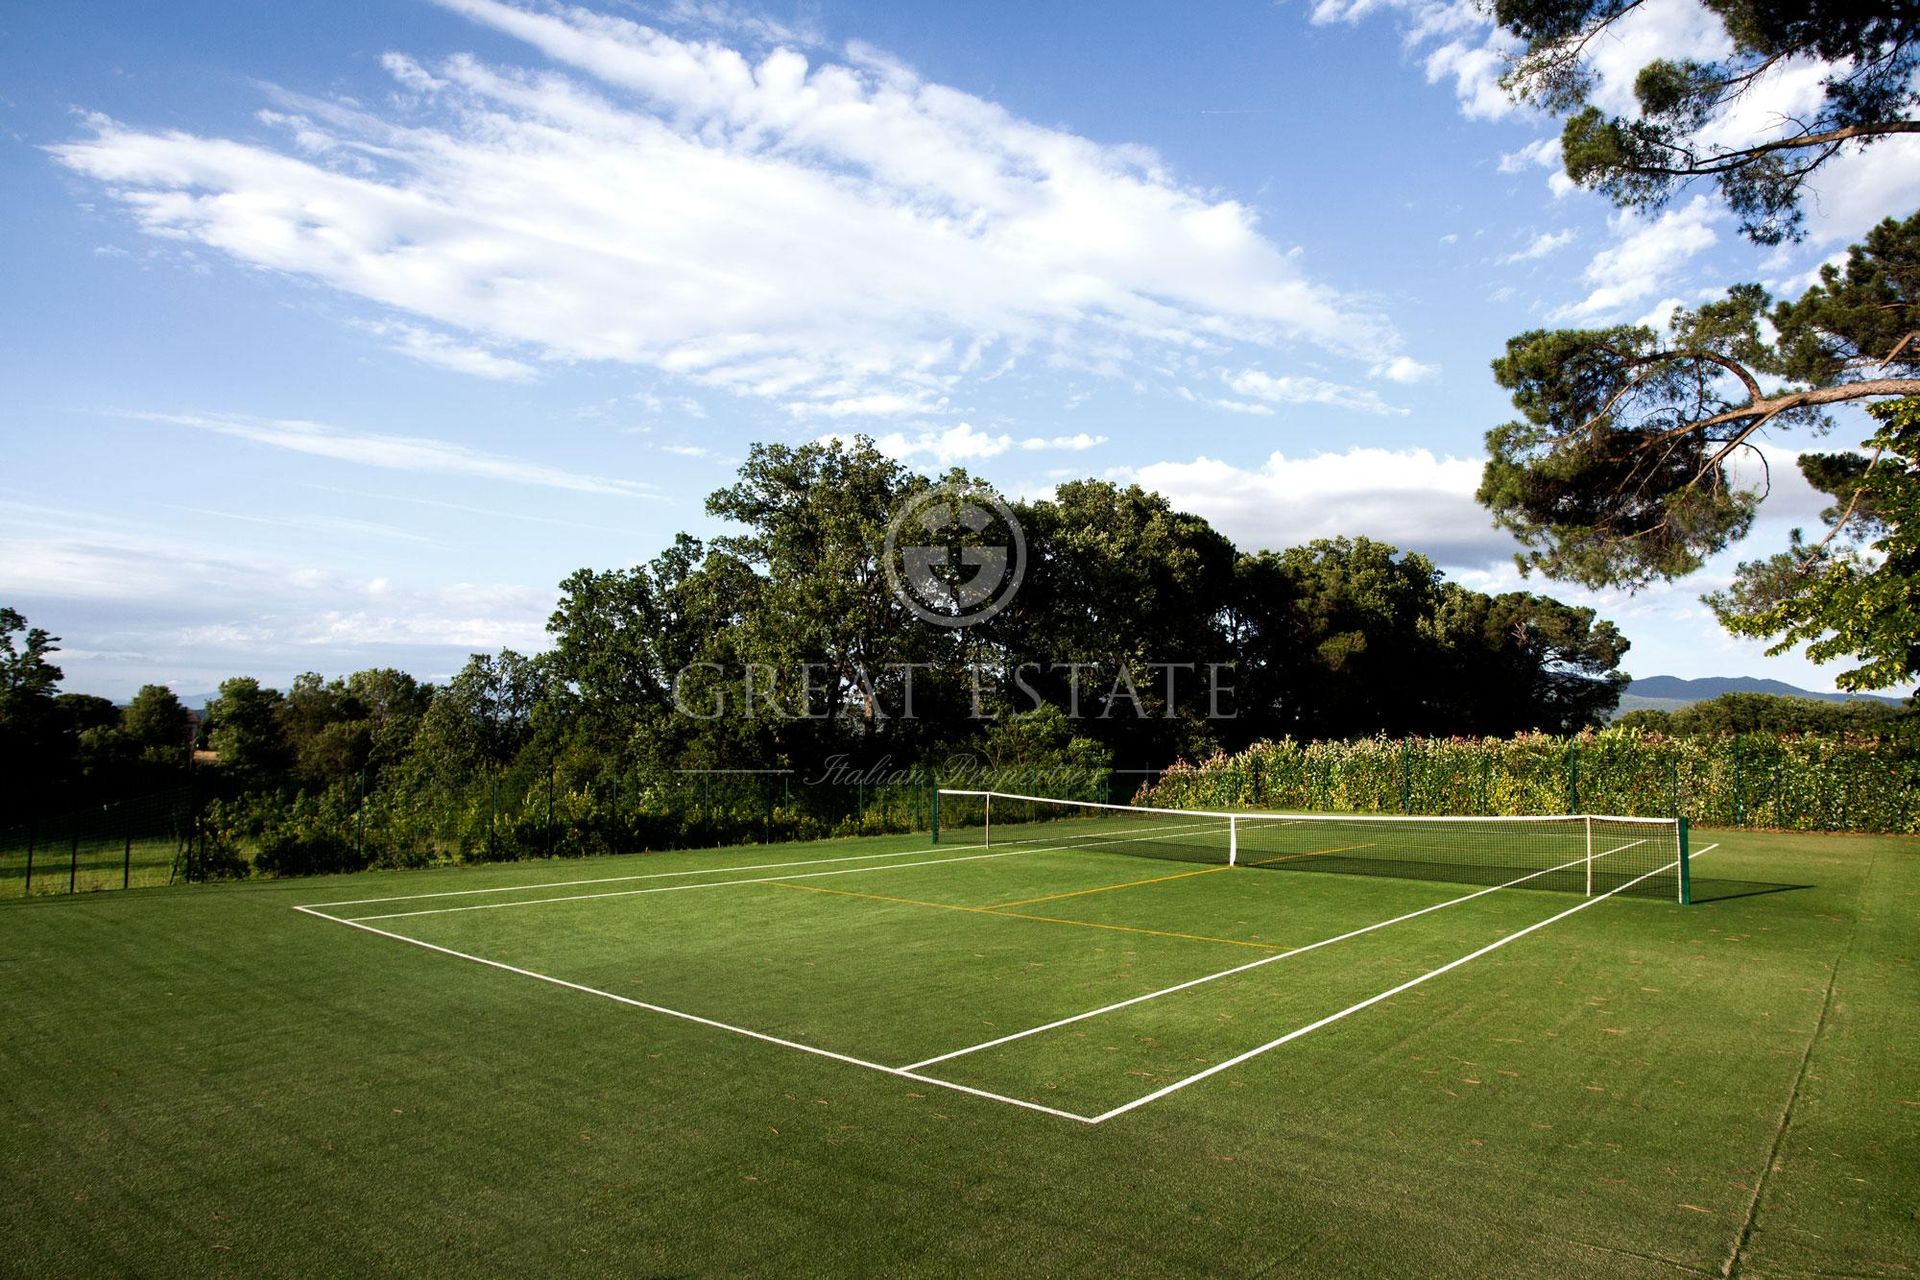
x=653 y=875
x=901 y=1072
x=1370 y=1001
x=679 y=888
x=1251 y=964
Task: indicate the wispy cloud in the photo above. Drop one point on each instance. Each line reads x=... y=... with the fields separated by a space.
x=963 y=443
x=439 y=350
x=1542 y=245
x=844 y=238
x=396 y=453
x=1647 y=256
x=1259 y=385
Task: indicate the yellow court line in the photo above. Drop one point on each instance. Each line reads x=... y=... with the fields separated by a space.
x=1016 y=915
x=1105 y=888
x=1317 y=853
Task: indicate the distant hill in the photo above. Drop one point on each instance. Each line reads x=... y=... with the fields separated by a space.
x=1670 y=693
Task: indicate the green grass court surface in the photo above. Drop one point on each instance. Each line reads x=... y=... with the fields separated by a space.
x=879 y=1057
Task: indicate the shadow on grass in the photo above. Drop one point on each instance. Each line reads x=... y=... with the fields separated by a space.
x=1721 y=890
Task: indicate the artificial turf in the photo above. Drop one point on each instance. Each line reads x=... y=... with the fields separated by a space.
x=204 y=1080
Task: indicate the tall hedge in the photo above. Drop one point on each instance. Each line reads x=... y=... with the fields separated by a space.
x=1799 y=782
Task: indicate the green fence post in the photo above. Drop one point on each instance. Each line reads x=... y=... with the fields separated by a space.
x=360 y=822
x=27 y=892
x=934 y=796
x=1406 y=776
x=1739 y=810
x=126 y=865
x=1573 y=775
x=73 y=866
x=1686 y=877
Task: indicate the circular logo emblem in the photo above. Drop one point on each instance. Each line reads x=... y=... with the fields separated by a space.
x=955 y=556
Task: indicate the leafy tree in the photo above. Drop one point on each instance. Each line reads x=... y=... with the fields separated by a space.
x=1856 y=596
x=814 y=524
x=1335 y=642
x=1348 y=637
x=1118 y=584
x=31 y=756
x=1621 y=468
x=1517 y=661
x=25 y=673
x=156 y=724
x=484 y=717
x=245 y=730
x=1684 y=130
x=391 y=704
x=325 y=729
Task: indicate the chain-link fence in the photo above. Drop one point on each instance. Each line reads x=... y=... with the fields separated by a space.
x=117 y=844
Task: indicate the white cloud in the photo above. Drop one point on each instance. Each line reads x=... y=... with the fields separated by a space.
x=1646 y=256
x=1476 y=70
x=1298 y=389
x=158 y=608
x=396 y=453
x=1661 y=314
x=1542 y=153
x=826 y=235
x=963 y=443
x=1405 y=369
x=879 y=404
x=438 y=349
x=1409 y=497
x=1079 y=442
x=1547 y=242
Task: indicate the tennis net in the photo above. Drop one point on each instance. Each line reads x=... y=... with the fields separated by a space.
x=1578 y=853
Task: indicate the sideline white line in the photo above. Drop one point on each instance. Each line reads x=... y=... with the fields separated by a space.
x=901 y=1072
x=652 y=875
x=1254 y=964
x=1370 y=1001
x=679 y=888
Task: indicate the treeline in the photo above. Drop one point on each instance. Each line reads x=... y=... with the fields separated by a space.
x=1771 y=713
x=782 y=651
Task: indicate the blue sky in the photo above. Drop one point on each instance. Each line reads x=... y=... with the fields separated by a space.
x=338 y=334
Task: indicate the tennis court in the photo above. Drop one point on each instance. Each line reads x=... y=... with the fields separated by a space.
x=1081 y=961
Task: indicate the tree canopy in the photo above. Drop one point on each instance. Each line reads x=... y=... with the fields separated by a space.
x=1689 y=126
x=1635 y=456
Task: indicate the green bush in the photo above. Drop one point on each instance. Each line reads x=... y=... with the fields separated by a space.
x=1801 y=782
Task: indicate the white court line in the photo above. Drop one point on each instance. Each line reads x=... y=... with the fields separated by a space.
x=664 y=875
x=679 y=888
x=1251 y=964
x=1370 y=1001
x=901 y=1072
x=912 y=1072
x=652 y=875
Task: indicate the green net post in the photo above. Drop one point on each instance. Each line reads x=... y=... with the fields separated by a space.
x=933 y=807
x=1686 y=878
